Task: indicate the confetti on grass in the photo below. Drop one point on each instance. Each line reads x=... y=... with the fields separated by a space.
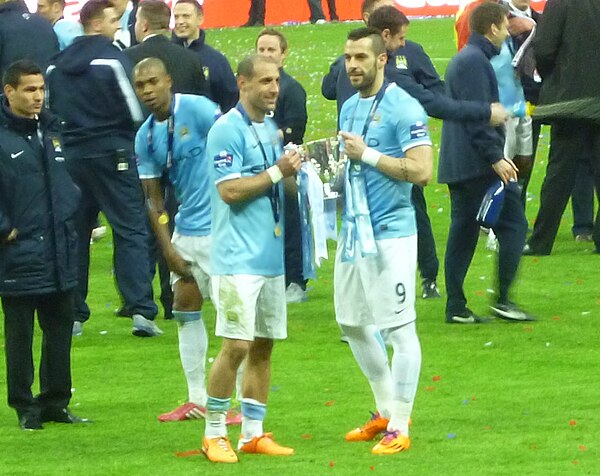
x=451 y=436
x=187 y=454
x=572 y=422
x=437 y=378
x=330 y=403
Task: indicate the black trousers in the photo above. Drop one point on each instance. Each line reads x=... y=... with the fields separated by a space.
x=571 y=142
x=257 y=12
x=294 y=271
x=316 y=10
x=465 y=198
x=426 y=254
x=119 y=195
x=55 y=315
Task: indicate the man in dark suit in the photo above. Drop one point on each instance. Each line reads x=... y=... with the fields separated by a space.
x=565 y=50
x=152 y=32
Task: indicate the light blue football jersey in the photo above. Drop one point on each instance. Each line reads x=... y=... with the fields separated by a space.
x=399 y=124
x=194 y=116
x=244 y=239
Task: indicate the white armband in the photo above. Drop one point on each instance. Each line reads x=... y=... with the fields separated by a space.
x=275 y=174
x=371 y=156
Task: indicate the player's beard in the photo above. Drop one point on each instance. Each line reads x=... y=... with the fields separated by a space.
x=368 y=78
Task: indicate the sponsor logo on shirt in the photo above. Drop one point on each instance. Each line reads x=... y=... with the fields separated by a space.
x=418 y=130
x=223 y=159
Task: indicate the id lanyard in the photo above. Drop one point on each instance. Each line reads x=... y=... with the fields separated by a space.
x=274 y=192
x=371 y=115
x=170 y=133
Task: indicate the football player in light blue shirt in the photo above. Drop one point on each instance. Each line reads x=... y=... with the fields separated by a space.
x=247 y=167
x=385 y=138
x=173 y=140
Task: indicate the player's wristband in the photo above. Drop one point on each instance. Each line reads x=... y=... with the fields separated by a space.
x=370 y=157
x=275 y=174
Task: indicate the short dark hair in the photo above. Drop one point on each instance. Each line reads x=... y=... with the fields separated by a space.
x=12 y=75
x=61 y=2
x=148 y=63
x=195 y=4
x=247 y=66
x=92 y=10
x=368 y=5
x=485 y=15
x=156 y=12
x=273 y=32
x=388 y=18
x=377 y=44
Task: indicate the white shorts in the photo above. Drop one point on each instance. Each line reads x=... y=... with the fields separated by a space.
x=379 y=289
x=196 y=250
x=250 y=306
x=519 y=137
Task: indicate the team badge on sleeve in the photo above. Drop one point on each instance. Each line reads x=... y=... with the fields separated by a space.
x=223 y=159
x=418 y=130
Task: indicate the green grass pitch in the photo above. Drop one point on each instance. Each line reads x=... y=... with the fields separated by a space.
x=497 y=399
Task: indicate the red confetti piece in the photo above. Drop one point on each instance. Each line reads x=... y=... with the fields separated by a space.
x=556 y=318
x=535 y=260
x=533 y=446
x=583 y=447
x=372 y=468
x=429 y=388
x=473 y=398
x=330 y=403
x=331 y=464
x=575 y=461
x=437 y=378
x=306 y=436
x=479 y=293
x=572 y=422
x=187 y=454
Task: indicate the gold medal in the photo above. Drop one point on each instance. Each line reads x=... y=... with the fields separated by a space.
x=277 y=230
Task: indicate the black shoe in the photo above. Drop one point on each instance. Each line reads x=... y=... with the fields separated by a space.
x=62 y=415
x=529 y=251
x=466 y=317
x=511 y=312
x=251 y=23
x=430 y=289
x=30 y=423
x=123 y=312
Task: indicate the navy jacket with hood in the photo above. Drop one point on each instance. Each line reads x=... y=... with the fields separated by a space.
x=39 y=200
x=222 y=83
x=468 y=150
x=89 y=88
x=24 y=35
x=417 y=79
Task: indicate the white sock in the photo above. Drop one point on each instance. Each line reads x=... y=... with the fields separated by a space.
x=193 y=343
x=253 y=415
x=216 y=411
x=370 y=353
x=406 y=366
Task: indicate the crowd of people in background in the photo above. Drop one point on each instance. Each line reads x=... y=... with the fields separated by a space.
x=119 y=114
